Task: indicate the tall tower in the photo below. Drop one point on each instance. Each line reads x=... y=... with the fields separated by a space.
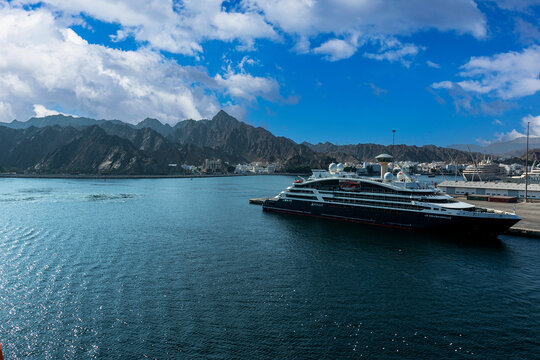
x=384 y=159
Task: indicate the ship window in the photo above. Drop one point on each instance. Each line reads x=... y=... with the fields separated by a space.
x=304 y=197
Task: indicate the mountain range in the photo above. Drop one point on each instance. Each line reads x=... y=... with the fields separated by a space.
x=511 y=148
x=66 y=144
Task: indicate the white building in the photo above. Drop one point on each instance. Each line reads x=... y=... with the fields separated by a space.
x=494 y=188
x=212 y=166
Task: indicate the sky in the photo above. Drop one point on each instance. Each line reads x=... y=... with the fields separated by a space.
x=346 y=71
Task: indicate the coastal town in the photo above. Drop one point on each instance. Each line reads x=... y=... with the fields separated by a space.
x=217 y=166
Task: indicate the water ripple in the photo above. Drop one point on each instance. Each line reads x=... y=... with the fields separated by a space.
x=181 y=269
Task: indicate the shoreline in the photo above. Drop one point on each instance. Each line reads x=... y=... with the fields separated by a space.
x=101 y=176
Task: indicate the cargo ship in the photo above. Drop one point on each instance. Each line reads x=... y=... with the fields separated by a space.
x=398 y=202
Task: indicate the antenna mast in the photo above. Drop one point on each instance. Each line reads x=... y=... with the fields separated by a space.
x=527 y=162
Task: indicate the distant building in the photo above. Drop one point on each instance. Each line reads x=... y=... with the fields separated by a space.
x=242 y=169
x=256 y=168
x=212 y=166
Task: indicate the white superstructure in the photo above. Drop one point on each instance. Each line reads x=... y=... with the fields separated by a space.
x=483 y=171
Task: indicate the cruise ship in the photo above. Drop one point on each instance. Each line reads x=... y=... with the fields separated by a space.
x=398 y=202
x=485 y=170
x=533 y=176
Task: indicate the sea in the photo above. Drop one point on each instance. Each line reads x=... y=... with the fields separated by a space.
x=188 y=269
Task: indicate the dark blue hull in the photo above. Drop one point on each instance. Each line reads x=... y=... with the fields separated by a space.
x=478 y=226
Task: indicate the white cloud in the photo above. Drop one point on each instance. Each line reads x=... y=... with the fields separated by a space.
x=5 y=111
x=178 y=27
x=528 y=33
x=336 y=49
x=364 y=20
x=248 y=87
x=183 y=26
x=504 y=76
x=507 y=75
x=517 y=5
x=443 y=85
x=42 y=111
x=433 y=65
x=534 y=124
x=534 y=130
x=309 y=17
x=44 y=62
x=395 y=51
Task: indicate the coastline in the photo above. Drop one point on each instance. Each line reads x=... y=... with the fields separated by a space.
x=128 y=176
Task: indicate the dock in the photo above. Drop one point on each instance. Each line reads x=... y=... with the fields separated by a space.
x=528 y=226
x=529 y=212
x=258 y=201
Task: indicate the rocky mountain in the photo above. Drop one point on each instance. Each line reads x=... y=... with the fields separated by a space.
x=239 y=142
x=53 y=120
x=534 y=158
x=156 y=125
x=367 y=152
x=20 y=149
x=510 y=148
x=81 y=145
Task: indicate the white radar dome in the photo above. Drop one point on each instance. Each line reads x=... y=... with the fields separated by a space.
x=340 y=167
x=332 y=168
x=388 y=176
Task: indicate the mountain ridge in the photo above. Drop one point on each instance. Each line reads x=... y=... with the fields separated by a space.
x=514 y=147
x=60 y=143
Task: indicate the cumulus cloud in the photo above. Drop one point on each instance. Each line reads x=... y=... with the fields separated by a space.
x=183 y=27
x=248 y=87
x=42 y=111
x=306 y=19
x=44 y=62
x=336 y=49
x=501 y=78
x=506 y=76
x=534 y=124
x=178 y=27
x=534 y=130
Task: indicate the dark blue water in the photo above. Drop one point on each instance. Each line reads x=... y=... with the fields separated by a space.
x=187 y=269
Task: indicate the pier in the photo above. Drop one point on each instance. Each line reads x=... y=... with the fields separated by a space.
x=258 y=201
x=529 y=212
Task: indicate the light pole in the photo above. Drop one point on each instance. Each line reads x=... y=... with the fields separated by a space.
x=527 y=162
x=393 y=139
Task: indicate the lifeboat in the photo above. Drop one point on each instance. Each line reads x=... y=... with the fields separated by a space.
x=349 y=185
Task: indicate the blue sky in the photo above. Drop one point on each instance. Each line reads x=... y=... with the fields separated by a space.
x=345 y=71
